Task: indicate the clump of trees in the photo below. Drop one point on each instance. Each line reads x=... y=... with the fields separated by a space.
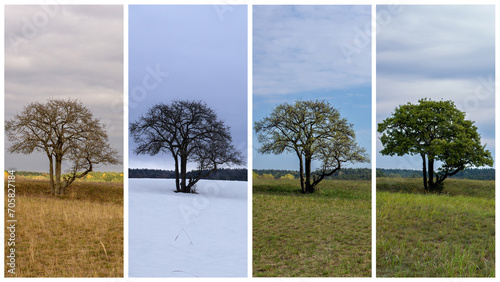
x=66 y=131
x=314 y=131
x=438 y=132
x=191 y=132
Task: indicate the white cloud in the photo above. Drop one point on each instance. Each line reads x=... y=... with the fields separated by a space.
x=439 y=52
x=298 y=48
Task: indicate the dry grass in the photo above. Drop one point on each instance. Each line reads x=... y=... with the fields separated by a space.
x=78 y=235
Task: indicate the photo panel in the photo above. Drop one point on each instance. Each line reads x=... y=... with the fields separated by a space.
x=188 y=187
x=63 y=141
x=435 y=141
x=312 y=141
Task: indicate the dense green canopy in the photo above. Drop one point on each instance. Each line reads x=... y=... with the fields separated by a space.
x=437 y=131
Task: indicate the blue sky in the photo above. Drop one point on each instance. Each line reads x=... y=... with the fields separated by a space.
x=312 y=52
x=439 y=52
x=192 y=52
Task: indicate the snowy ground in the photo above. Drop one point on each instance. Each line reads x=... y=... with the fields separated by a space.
x=187 y=235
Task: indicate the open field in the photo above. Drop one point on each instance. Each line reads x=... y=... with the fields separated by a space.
x=326 y=234
x=188 y=235
x=427 y=235
x=93 y=176
x=77 y=235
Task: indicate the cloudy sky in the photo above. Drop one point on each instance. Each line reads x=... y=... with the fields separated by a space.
x=312 y=52
x=439 y=52
x=191 y=52
x=65 y=52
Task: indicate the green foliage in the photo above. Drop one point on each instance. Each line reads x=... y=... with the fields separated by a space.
x=437 y=131
x=314 y=131
x=267 y=176
x=288 y=176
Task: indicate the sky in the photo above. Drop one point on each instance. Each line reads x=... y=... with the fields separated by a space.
x=312 y=52
x=188 y=53
x=65 y=52
x=438 y=52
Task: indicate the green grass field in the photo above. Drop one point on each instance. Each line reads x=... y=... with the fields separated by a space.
x=326 y=234
x=77 y=235
x=428 y=235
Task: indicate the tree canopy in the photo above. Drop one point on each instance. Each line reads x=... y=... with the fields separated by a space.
x=314 y=131
x=438 y=132
x=65 y=130
x=191 y=132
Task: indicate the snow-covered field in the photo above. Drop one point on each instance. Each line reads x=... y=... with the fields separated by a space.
x=187 y=235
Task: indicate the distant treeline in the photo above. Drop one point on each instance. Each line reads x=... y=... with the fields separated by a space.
x=239 y=174
x=343 y=174
x=365 y=173
x=473 y=173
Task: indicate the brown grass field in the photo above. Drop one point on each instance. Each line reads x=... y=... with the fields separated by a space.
x=77 y=235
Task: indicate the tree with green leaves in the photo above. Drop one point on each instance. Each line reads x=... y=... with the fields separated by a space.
x=65 y=130
x=314 y=131
x=438 y=132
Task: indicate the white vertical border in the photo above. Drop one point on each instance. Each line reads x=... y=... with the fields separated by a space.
x=497 y=154
x=2 y=122
x=125 y=141
x=249 y=138
x=374 y=140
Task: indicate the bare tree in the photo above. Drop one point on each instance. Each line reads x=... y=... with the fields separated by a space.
x=190 y=132
x=63 y=130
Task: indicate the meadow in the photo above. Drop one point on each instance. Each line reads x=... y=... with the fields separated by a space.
x=429 y=235
x=79 y=234
x=325 y=234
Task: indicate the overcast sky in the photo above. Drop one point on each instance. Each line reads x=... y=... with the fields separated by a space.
x=65 y=52
x=439 y=52
x=196 y=53
x=308 y=53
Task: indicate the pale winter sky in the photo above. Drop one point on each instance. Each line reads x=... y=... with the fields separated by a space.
x=308 y=53
x=190 y=52
x=438 y=52
x=65 y=52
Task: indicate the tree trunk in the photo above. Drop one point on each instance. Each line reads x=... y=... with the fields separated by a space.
x=431 y=173
x=177 y=184
x=51 y=174
x=309 y=186
x=184 y=187
x=58 y=175
x=424 y=171
x=301 y=172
